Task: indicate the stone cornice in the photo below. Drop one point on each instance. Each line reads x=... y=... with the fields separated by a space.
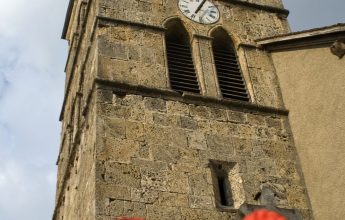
x=324 y=36
x=102 y=19
x=190 y=98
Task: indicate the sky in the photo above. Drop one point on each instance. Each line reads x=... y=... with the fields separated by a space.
x=32 y=59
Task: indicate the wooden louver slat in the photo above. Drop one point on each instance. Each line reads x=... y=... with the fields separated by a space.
x=230 y=78
x=181 y=68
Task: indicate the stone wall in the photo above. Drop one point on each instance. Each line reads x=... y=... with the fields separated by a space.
x=154 y=154
x=76 y=176
x=147 y=154
x=137 y=48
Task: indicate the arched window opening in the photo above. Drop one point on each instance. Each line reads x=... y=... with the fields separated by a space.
x=180 y=62
x=230 y=78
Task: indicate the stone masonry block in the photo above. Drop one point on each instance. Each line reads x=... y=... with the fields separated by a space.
x=165 y=153
x=111 y=191
x=243 y=147
x=201 y=202
x=274 y=122
x=119 y=150
x=173 y=199
x=219 y=143
x=218 y=114
x=128 y=100
x=115 y=128
x=199 y=185
x=135 y=131
x=256 y=120
x=294 y=197
x=188 y=156
x=116 y=207
x=112 y=111
x=154 y=104
x=134 y=209
x=188 y=214
x=189 y=123
x=166 y=120
x=224 y=129
x=144 y=195
x=197 y=140
x=177 y=108
x=112 y=49
x=104 y=95
x=122 y=174
x=178 y=182
x=272 y=149
x=154 y=178
x=201 y=112
x=155 y=134
x=154 y=76
x=163 y=213
x=262 y=168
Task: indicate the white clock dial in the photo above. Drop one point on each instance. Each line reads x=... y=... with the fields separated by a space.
x=201 y=11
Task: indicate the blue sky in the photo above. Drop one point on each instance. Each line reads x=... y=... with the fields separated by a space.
x=32 y=59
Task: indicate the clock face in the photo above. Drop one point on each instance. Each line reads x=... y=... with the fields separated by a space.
x=201 y=11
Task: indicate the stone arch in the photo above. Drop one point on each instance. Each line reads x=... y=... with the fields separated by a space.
x=219 y=29
x=230 y=78
x=175 y=23
x=181 y=69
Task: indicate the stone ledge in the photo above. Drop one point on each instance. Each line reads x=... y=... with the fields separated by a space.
x=130 y=23
x=190 y=98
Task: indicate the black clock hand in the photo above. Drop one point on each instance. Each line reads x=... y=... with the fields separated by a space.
x=200 y=6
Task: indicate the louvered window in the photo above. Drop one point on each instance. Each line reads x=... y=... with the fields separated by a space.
x=231 y=82
x=180 y=62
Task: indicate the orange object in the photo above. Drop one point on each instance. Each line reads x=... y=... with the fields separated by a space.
x=263 y=214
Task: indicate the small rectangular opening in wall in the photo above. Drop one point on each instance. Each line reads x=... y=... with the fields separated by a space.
x=227 y=184
x=223 y=186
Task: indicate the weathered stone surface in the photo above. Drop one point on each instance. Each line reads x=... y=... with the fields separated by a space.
x=165 y=212
x=220 y=143
x=197 y=140
x=199 y=185
x=177 y=108
x=153 y=104
x=122 y=174
x=144 y=195
x=201 y=202
x=189 y=123
x=154 y=178
x=107 y=191
x=206 y=214
x=134 y=209
x=136 y=151
x=178 y=182
x=238 y=117
x=119 y=150
x=169 y=199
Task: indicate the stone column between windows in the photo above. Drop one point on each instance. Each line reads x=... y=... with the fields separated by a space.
x=205 y=69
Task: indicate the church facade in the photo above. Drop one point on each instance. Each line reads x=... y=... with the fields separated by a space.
x=173 y=111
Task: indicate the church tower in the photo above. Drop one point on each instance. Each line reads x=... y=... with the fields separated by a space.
x=172 y=111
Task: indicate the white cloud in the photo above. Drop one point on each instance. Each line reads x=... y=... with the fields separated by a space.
x=32 y=58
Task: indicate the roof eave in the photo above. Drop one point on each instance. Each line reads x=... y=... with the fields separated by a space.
x=303 y=34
